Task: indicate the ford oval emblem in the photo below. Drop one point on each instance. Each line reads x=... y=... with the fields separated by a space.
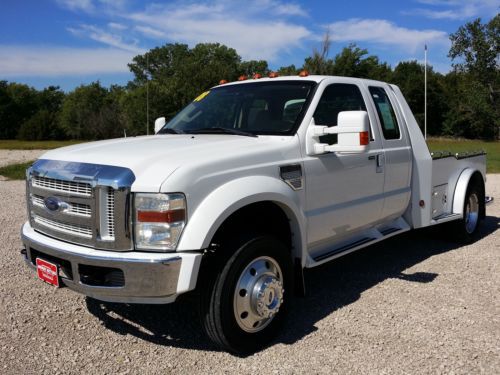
x=52 y=203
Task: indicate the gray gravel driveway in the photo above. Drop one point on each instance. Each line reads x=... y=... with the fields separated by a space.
x=8 y=157
x=413 y=304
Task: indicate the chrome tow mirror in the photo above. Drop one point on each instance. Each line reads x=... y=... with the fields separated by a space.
x=353 y=134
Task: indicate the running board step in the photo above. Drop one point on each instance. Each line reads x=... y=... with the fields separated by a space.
x=445 y=218
x=372 y=236
x=343 y=249
x=388 y=231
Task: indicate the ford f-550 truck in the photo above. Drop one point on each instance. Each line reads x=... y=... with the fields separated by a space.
x=248 y=185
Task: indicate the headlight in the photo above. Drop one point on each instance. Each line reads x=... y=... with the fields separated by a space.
x=159 y=220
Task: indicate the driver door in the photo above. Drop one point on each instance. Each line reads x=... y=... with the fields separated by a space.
x=344 y=192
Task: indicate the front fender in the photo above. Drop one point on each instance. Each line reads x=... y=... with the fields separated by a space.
x=228 y=198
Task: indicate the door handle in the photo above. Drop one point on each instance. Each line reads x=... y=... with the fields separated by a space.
x=371 y=157
x=380 y=163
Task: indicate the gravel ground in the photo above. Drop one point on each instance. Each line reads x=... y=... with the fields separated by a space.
x=413 y=304
x=18 y=156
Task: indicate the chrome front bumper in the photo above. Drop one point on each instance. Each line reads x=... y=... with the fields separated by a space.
x=131 y=277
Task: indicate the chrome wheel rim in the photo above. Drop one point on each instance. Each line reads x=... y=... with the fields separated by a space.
x=258 y=295
x=471 y=213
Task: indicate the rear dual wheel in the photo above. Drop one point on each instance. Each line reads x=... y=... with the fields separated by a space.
x=244 y=305
x=467 y=228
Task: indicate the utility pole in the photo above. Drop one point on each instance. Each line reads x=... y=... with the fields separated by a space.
x=147 y=93
x=425 y=93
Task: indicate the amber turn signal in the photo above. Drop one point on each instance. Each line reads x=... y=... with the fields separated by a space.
x=364 y=138
x=170 y=216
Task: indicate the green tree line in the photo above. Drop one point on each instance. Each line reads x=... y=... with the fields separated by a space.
x=462 y=103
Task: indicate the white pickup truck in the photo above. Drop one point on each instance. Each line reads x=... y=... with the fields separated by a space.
x=248 y=185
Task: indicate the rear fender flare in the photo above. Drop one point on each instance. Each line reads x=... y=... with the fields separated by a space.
x=461 y=189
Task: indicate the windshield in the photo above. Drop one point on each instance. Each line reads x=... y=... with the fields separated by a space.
x=251 y=108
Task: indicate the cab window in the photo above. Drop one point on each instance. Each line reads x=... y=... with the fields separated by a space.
x=388 y=121
x=336 y=98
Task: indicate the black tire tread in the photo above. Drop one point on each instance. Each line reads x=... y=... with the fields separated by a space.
x=214 y=277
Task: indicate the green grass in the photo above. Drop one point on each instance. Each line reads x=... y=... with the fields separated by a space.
x=457 y=145
x=15 y=171
x=8 y=144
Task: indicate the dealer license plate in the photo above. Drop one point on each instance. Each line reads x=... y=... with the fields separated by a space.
x=47 y=271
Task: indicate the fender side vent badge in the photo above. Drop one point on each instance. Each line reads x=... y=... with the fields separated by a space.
x=292 y=175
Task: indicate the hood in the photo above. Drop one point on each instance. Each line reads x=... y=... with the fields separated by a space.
x=153 y=159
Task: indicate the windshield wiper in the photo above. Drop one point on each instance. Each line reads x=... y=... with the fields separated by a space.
x=220 y=130
x=170 y=131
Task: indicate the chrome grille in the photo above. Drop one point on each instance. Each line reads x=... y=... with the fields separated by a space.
x=110 y=212
x=77 y=209
x=77 y=188
x=91 y=211
x=73 y=229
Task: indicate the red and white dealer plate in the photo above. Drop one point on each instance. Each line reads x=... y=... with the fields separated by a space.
x=47 y=272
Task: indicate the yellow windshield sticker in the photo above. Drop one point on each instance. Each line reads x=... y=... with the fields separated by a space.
x=200 y=97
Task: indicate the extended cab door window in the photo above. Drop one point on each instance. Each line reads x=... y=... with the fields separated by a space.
x=397 y=151
x=388 y=121
x=336 y=98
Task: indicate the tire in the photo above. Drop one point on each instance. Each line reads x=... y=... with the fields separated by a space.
x=235 y=316
x=466 y=229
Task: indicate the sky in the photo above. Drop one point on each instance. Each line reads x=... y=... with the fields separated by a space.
x=71 y=42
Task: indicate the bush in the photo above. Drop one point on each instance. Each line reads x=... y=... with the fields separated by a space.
x=43 y=125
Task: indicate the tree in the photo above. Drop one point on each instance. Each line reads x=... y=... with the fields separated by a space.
x=50 y=98
x=18 y=103
x=353 y=61
x=289 y=70
x=475 y=51
x=92 y=112
x=409 y=76
x=133 y=104
x=177 y=74
x=477 y=47
x=249 y=68
x=44 y=124
x=319 y=63
x=472 y=113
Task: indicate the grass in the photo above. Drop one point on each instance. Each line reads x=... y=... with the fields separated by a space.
x=15 y=171
x=457 y=145
x=10 y=144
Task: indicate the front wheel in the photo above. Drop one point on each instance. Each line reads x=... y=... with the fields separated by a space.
x=245 y=304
